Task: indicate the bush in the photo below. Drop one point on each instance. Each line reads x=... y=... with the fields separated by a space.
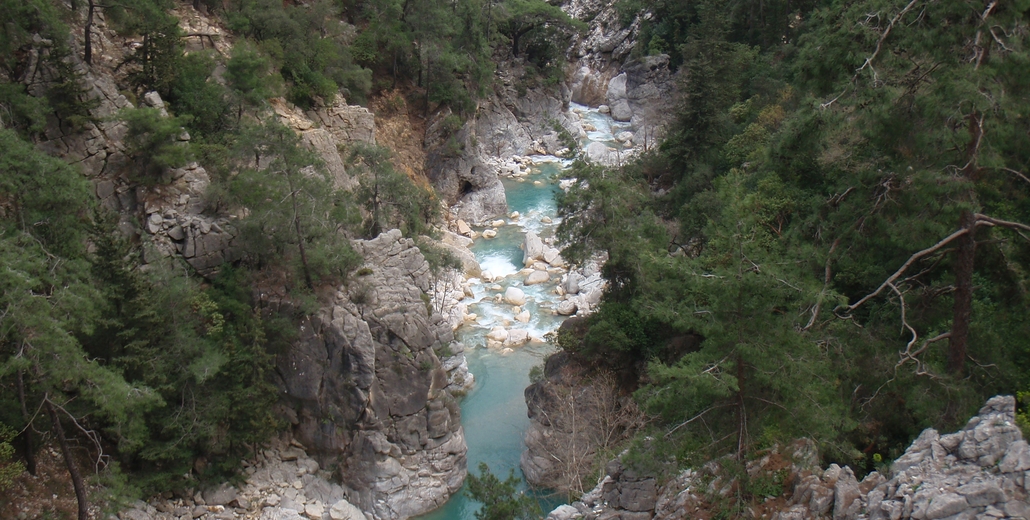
x=154 y=143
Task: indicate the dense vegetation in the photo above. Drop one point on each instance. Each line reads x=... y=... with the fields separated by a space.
x=838 y=216
x=838 y=213
x=163 y=375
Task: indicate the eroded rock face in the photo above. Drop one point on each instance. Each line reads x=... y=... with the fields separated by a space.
x=280 y=483
x=463 y=164
x=366 y=389
x=977 y=472
x=637 y=90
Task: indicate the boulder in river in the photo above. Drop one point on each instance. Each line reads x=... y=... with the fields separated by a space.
x=599 y=153
x=618 y=99
x=517 y=338
x=489 y=233
x=566 y=308
x=537 y=277
x=532 y=248
x=515 y=296
x=498 y=334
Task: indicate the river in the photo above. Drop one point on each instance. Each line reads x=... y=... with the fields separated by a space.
x=494 y=411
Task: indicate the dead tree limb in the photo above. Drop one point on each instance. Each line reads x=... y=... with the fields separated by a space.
x=911 y=260
x=826 y=283
x=883 y=37
x=69 y=461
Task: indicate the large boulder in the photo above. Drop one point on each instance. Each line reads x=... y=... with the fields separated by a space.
x=537 y=277
x=514 y=296
x=532 y=248
x=618 y=98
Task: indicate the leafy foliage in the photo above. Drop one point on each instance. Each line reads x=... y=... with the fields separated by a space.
x=809 y=163
x=297 y=217
x=154 y=143
x=391 y=199
x=501 y=500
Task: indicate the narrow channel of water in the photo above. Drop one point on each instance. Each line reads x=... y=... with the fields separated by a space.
x=494 y=411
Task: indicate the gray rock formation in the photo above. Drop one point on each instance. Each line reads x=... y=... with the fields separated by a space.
x=366 y=389
x=324 y=128
x=463 y=164
x=281 y=483
x=640 y=90
x=977 y=472
x=618 y=99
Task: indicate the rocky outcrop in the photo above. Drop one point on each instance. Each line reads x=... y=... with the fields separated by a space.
x=574 y=415
x=463 y=164
x=640 y=90
x=173 y=212
x=281 y=483
x=366 y=389
x=977 y=472
x=325 y=128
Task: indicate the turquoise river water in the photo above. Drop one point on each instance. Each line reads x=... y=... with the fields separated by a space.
x=494 y=411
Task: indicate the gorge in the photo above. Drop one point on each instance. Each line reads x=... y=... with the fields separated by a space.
x=320 y=259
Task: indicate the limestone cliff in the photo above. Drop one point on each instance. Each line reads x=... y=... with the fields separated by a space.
x=365 y=385
x=367 y=390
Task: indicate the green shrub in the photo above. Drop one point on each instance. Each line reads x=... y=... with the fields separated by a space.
x=154 y=144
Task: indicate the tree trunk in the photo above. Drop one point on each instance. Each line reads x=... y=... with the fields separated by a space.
x=87 y=36
x=26 y=436
x=965 y=257
x=741 y=418
x=300 y=240
x=69 y=461
x=429 y=70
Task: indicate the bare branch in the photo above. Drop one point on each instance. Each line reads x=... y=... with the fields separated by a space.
x=911 y=260
x=883 y=37
x=908 y=355
x=984 y=220
x=692 y=419
x=826 y=281
x=1018 y=174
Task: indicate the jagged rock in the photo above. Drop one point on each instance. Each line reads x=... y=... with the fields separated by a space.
x=345 y=369
x=845 y=496
x=553 y=257
x=344 y=510
x=347 y=123
x=969 y=474
x=532 y=248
